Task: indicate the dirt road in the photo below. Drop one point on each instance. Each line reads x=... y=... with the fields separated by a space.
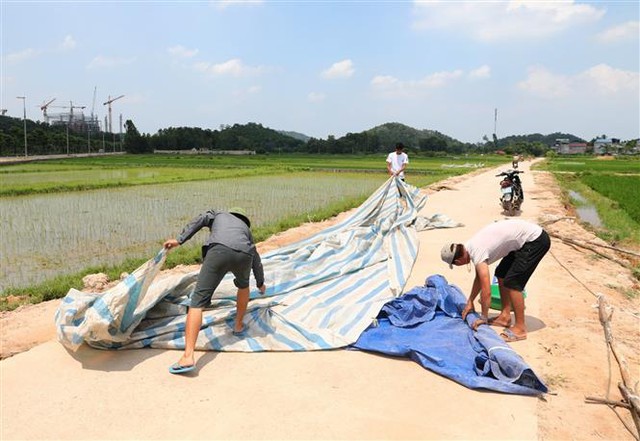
x=49 y=393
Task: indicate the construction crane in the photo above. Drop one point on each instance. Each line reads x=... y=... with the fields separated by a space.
x=108 y=102
x=44 y=110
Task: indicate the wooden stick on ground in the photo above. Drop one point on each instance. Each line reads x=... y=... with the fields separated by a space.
x=558 y=219
x=620 y=250
x=629 y=393
x=590 y=248
x=596 y=400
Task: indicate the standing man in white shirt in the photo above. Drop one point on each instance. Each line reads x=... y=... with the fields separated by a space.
x=397 y=161
x=520 y=246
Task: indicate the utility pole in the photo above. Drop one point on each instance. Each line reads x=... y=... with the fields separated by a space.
x=90 y=125
x=24 y=118
x=495 y=129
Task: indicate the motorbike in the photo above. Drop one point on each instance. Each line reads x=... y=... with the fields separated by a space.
x=512 y=193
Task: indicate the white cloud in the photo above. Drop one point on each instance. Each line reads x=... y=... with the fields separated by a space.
x=601 y=80
x=316 y=97
x=481 y=72
x=23 y=55
x=384 y=81
x=393 y=87
x=101 y=61
x=341 y=69
x=439 y=79
x=224 y=4
x=607 y=80
x=545 y=84
x=234 y=67
x=516 y=19
x=181 y=51
x=624 y=31
x=68 y=43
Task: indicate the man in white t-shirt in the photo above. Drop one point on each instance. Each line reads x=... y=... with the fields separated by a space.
x=521 y=245
x=397 y=161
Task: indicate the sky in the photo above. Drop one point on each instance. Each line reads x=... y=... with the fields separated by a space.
x=326 y=68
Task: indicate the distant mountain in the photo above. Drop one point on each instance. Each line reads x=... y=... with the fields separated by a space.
x=537 y=137
x=295 y=135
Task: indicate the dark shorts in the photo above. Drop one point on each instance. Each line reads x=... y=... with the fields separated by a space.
x=220 y=260
x=517 y=266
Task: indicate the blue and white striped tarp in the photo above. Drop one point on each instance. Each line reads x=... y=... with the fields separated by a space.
x=322 y=292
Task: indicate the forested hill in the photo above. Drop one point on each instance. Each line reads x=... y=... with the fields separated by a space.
x=249 y=136
x=429 y=140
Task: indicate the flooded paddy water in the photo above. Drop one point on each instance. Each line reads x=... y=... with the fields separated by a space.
x=585 y=211
x=50 y=234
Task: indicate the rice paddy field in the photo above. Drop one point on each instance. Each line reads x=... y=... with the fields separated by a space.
x=611 y=186
x=83 y=215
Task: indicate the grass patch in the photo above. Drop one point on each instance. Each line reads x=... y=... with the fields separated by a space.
x=624 y=190
x=631 y=293
x=619 y=226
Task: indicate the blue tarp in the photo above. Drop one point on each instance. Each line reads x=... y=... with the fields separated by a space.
x=425 y=325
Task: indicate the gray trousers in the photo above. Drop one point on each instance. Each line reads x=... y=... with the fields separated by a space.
x=219 y=261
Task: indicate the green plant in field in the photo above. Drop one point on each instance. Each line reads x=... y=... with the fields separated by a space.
x=188 y=254
x=610 y=186
x=624 y=191
x=57 y=181
x=105 y=226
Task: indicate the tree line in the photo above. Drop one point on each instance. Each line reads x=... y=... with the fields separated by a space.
x=45 y=139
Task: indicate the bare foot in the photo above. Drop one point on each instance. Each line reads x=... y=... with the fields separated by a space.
x=500 y=321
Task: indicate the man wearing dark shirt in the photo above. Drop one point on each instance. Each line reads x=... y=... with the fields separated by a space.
x=229 y=248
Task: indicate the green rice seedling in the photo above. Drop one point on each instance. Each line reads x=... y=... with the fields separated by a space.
x=55 y=181
x=624 y=189
x=47 y=235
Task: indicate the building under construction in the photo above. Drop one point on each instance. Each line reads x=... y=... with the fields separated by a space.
x=75 y=119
